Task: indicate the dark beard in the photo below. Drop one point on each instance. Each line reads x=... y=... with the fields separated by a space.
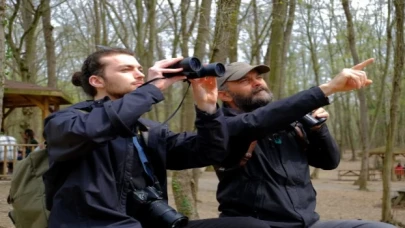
x=248 y=103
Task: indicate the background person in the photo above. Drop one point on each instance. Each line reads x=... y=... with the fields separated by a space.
x=29 y=138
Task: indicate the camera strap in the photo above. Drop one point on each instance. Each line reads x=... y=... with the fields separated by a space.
x=143 y=159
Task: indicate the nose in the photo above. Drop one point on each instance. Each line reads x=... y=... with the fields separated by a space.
x=138 y=74
x=256 y=82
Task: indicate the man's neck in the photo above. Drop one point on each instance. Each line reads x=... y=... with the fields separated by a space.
x=233 y=106
x=101 y=95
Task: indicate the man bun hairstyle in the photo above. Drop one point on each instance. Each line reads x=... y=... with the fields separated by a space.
x=93 y=66
x=76 y=78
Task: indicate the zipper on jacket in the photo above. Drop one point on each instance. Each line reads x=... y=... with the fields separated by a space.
x=128 y=158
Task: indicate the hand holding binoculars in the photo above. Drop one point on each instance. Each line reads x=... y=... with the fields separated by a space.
x=309 y=121
x=192 y=68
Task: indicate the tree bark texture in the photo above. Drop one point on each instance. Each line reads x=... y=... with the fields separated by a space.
x=225 y=23
x=392 y=128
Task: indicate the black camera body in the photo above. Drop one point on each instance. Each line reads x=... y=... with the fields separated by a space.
x=309 y=121
x=148 y=206
x=192 y=68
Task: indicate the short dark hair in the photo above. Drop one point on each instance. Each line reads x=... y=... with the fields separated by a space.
x=29 y=132
x=93 y=66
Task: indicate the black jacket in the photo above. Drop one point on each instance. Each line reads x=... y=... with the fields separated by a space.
x=92 y=156
x=275 y=184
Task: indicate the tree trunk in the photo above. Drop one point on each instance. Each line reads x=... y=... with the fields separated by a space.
x=312 y=43
x=286 y=45
x=362 y=99
x=187 y=29
x=186 y=191
x=387 y=55
x=203 y=33
x=314 y=60
x=181 y=192
x=349 y=127
x=30 y=24
x=103 y=16
x=49 y=44
x=225 y=23
x=278 y=15
x=140 y=31
x=315 y=174
x=24 y=57
x=395 y=98
x=2 y=57
x=30 y=20
x=234 y=34
x=97 y=22
x=200 y=52
x=255 y=48
x=151 y=22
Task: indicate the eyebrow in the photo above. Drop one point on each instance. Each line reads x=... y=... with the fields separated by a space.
x=129 y=66
x=126 y=65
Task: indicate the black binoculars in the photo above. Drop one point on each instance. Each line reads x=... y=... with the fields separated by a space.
x=192 y=68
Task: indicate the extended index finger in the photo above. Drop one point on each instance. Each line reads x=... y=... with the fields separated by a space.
x=363 y=64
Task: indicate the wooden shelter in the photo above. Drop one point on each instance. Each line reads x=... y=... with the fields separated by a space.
x=22 y=94
x=19 y=95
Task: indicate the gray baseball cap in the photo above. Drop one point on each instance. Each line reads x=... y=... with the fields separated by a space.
x=237 y=70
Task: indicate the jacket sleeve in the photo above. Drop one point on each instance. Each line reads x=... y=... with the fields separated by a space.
x=323 y=151
x=70 y=132
x=206 y=147
x=276 y=115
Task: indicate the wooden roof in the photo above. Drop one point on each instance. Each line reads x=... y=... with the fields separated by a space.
x=22 y=94
x=381 y=151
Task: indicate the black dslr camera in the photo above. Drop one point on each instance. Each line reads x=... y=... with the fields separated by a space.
x=148 y=207
x=309 y=121
x=192 y=68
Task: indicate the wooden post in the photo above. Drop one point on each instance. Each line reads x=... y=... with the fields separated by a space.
x=5 y=114
x=45 y=110
x=5 y=161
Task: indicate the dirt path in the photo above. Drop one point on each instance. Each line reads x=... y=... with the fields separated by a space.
x=336 y=199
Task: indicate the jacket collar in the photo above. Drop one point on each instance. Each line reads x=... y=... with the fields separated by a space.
x=228 y=111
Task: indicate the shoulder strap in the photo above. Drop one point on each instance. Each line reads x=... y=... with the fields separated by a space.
x=144 y=131
x=301 y=136
x=248 y=154
x=242 y=162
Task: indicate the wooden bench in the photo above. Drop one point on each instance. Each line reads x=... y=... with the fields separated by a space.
x=348 y=173
x=372 y=173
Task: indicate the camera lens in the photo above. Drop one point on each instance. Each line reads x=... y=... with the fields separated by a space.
x=163 y=214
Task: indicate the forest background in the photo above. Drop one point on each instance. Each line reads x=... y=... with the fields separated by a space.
x=305 y=42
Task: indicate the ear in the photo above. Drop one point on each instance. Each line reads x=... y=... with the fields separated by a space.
x=97 y=82
x=224 y=96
